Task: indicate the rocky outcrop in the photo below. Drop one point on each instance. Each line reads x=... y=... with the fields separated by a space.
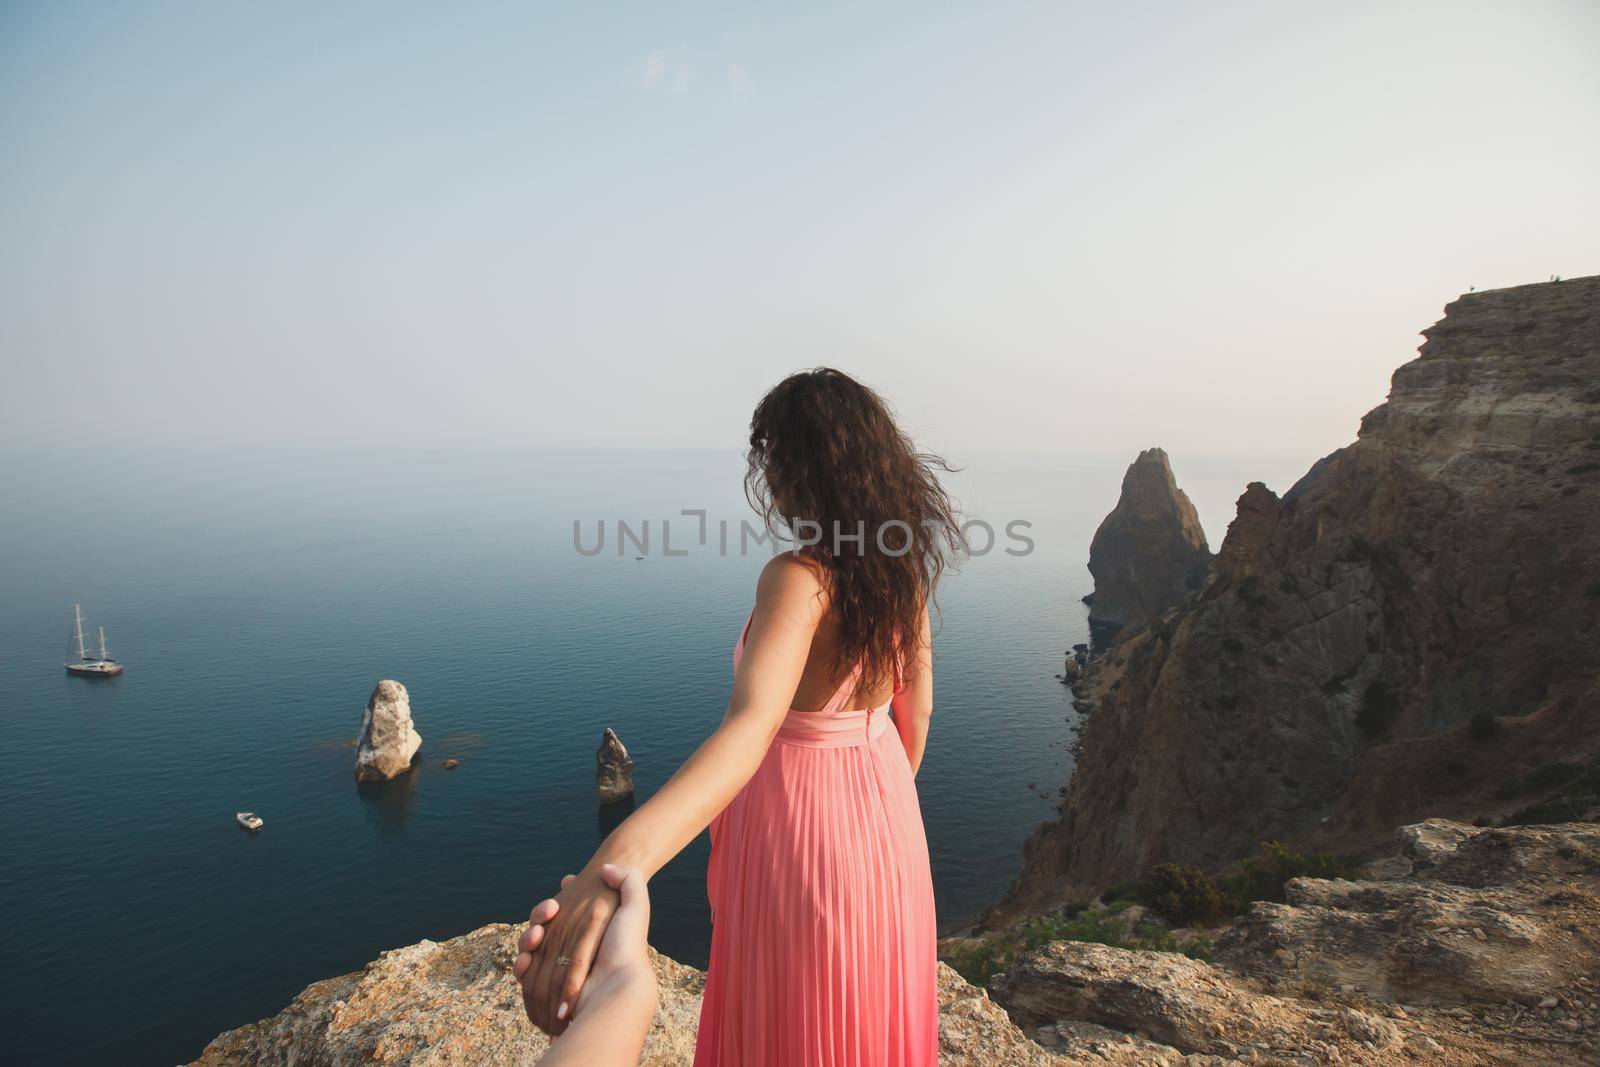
x=1410 y=631
x=613 y=769
x=1504 y=916
x=1469 y=958
x=1149 y=552
x=1465 y=951
x=1256 y=517
x=433 y=1004
x=456 y=1003
x=389 y=741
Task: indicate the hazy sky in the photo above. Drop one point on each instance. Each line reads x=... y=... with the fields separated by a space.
x=1068 y=227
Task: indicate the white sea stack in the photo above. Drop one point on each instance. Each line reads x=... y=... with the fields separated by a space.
x=389 y=739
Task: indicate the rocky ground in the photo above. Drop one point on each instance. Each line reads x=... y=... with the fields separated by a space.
x=455 y=1003
x=1471 y=946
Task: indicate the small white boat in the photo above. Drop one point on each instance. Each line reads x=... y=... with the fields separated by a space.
x=249 y=820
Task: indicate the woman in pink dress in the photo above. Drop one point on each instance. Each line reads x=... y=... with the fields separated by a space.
x=822 y=948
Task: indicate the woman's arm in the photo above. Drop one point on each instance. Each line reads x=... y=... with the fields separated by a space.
x=788 y=608
x=913 y=705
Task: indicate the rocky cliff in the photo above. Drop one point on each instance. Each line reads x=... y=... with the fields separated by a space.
x=1409 y=631
x=1149 y=552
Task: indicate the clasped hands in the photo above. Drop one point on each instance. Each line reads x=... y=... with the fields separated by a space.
x=573 y=955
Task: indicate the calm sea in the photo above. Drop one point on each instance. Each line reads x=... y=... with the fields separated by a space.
x=257 y=597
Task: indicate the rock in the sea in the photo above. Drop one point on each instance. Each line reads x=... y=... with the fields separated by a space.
x=613 y=769
x=388 y=740
x=1150 y=551
x=1323 y=685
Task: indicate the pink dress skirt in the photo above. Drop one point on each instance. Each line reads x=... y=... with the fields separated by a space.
x=823 y=935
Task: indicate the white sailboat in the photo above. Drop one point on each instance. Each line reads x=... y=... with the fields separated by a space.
x=90 y=666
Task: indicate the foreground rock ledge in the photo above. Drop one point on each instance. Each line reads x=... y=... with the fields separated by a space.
x=1473 y=947
x=456 y=1003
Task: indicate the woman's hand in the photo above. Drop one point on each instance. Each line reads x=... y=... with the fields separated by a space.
x=558 y=948
x=542 y=913
x=612 y=1014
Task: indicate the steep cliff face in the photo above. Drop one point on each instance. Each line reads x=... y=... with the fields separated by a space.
x=1410 y=631
x=1149 y=552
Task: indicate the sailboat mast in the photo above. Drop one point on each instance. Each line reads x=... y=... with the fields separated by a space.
x=103 y=643
x=77 y=626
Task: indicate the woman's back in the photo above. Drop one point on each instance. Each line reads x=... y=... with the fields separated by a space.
x=819 y=680
x=823 y=928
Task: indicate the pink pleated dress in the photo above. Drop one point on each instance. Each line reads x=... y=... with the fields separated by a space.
x=823 y=935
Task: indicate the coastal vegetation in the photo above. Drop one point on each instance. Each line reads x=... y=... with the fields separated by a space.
x=1123 y=924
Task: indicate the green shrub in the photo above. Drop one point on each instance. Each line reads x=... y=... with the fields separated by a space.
x=1232 y=644
x=1577 y=792
x=1103 y=926
x=1550 y=776
x=1485 y=726
x=1184 y=895
x=1177 y=894
x=1263 y=876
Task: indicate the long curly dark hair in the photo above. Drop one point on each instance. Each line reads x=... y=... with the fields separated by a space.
x=828 y=461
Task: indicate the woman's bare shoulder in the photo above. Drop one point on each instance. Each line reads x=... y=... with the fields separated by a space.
x=793 y=581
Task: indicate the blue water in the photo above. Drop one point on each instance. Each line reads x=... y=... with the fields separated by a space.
x=256 y=598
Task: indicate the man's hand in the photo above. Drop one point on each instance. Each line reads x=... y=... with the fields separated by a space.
x=612 y=1014
x=557 y=950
